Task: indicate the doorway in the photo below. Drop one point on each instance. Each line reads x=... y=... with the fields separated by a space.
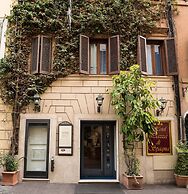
x=97 y=150
x=36 y=148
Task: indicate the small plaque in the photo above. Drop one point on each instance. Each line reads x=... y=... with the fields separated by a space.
x=65 y=151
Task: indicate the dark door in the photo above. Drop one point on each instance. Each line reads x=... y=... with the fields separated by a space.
x=36 y=149
x=97 y=150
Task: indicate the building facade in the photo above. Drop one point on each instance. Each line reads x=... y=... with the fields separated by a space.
x=71 y=140
x=5 y=111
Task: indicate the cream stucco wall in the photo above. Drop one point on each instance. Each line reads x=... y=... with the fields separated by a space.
x=74 y=99
x=5 y=111
x=182 y=50
x=5 y=127
x=5 y=7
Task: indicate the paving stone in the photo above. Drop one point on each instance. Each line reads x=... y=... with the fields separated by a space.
x=99 y=189
x=91 y=188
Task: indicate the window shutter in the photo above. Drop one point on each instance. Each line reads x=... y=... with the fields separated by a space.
x=45 y=54
x=84 y=54
x=171 y=56
x=142 y=54
x=35 y=54
x=114 y=55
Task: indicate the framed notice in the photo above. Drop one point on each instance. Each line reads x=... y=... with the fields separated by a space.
x=65 y=138
x=160 y=143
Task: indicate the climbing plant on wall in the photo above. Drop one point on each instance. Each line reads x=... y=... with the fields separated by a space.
x=128 y=18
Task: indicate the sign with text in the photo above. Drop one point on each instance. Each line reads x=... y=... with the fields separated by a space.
x=160 y=142
x=65 y=141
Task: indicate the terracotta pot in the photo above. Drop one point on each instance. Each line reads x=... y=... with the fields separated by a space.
x=10 y=178
x=181 y=181
x=132 y=182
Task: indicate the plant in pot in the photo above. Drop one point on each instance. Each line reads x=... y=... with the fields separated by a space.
x=181 y=168
x=10 y=175
x=133 y=102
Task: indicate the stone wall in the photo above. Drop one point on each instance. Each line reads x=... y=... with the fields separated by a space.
x=5 y=127
x=74 y=99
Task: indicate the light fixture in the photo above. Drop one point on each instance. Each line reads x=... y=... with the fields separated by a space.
x=162 y=106
x=37 y=99
x=99 y=100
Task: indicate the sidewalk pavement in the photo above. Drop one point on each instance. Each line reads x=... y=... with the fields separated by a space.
x=57 y=188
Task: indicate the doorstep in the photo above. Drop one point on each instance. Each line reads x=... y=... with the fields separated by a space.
x=98 y=181
x=35 y=179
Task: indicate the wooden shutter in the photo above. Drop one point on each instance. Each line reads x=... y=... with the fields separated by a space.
x=142 y=54
x=171 y=56
x=45 y=54
x=84 y=54
x=114 y=55
x=35 y=54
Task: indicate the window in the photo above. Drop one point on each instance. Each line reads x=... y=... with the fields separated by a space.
x=41 y=56
x=99 y=56
x=3 y=27
x=157 y=57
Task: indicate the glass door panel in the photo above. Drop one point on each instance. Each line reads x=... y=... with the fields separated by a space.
x=36 y=155
x=97 y=150
x=92 y=147
x=36 y=149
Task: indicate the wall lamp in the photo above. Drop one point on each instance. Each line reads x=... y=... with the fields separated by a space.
x=162 y=106
x=99 y=100
x=36 y=99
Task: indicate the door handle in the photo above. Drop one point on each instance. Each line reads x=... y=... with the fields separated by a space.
x=52 y=164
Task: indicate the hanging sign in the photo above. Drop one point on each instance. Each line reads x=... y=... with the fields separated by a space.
x=160 y=142
x=65 y=140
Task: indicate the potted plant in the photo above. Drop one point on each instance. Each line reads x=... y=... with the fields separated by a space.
x=10 y=175
x=133 y=102
x=181 y=168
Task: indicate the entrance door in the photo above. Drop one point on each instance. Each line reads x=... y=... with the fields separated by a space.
x=97 y=150
x=36 y=149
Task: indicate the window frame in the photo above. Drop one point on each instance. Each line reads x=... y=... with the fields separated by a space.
x=152 y=43
x=166 y=52
x=3 y=29
x=85 y=54
x=98 y=42
x=38 y=50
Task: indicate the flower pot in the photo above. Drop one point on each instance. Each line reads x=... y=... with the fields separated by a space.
x=132 y=182
x=10 y=178
x=181 y=181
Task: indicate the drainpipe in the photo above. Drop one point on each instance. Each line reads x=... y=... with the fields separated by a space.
x=171 y=33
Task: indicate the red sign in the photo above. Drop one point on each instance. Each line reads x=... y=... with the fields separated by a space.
x=160 y=142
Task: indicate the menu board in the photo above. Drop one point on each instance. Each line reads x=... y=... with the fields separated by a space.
x=160 y=142
x=65 y=142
